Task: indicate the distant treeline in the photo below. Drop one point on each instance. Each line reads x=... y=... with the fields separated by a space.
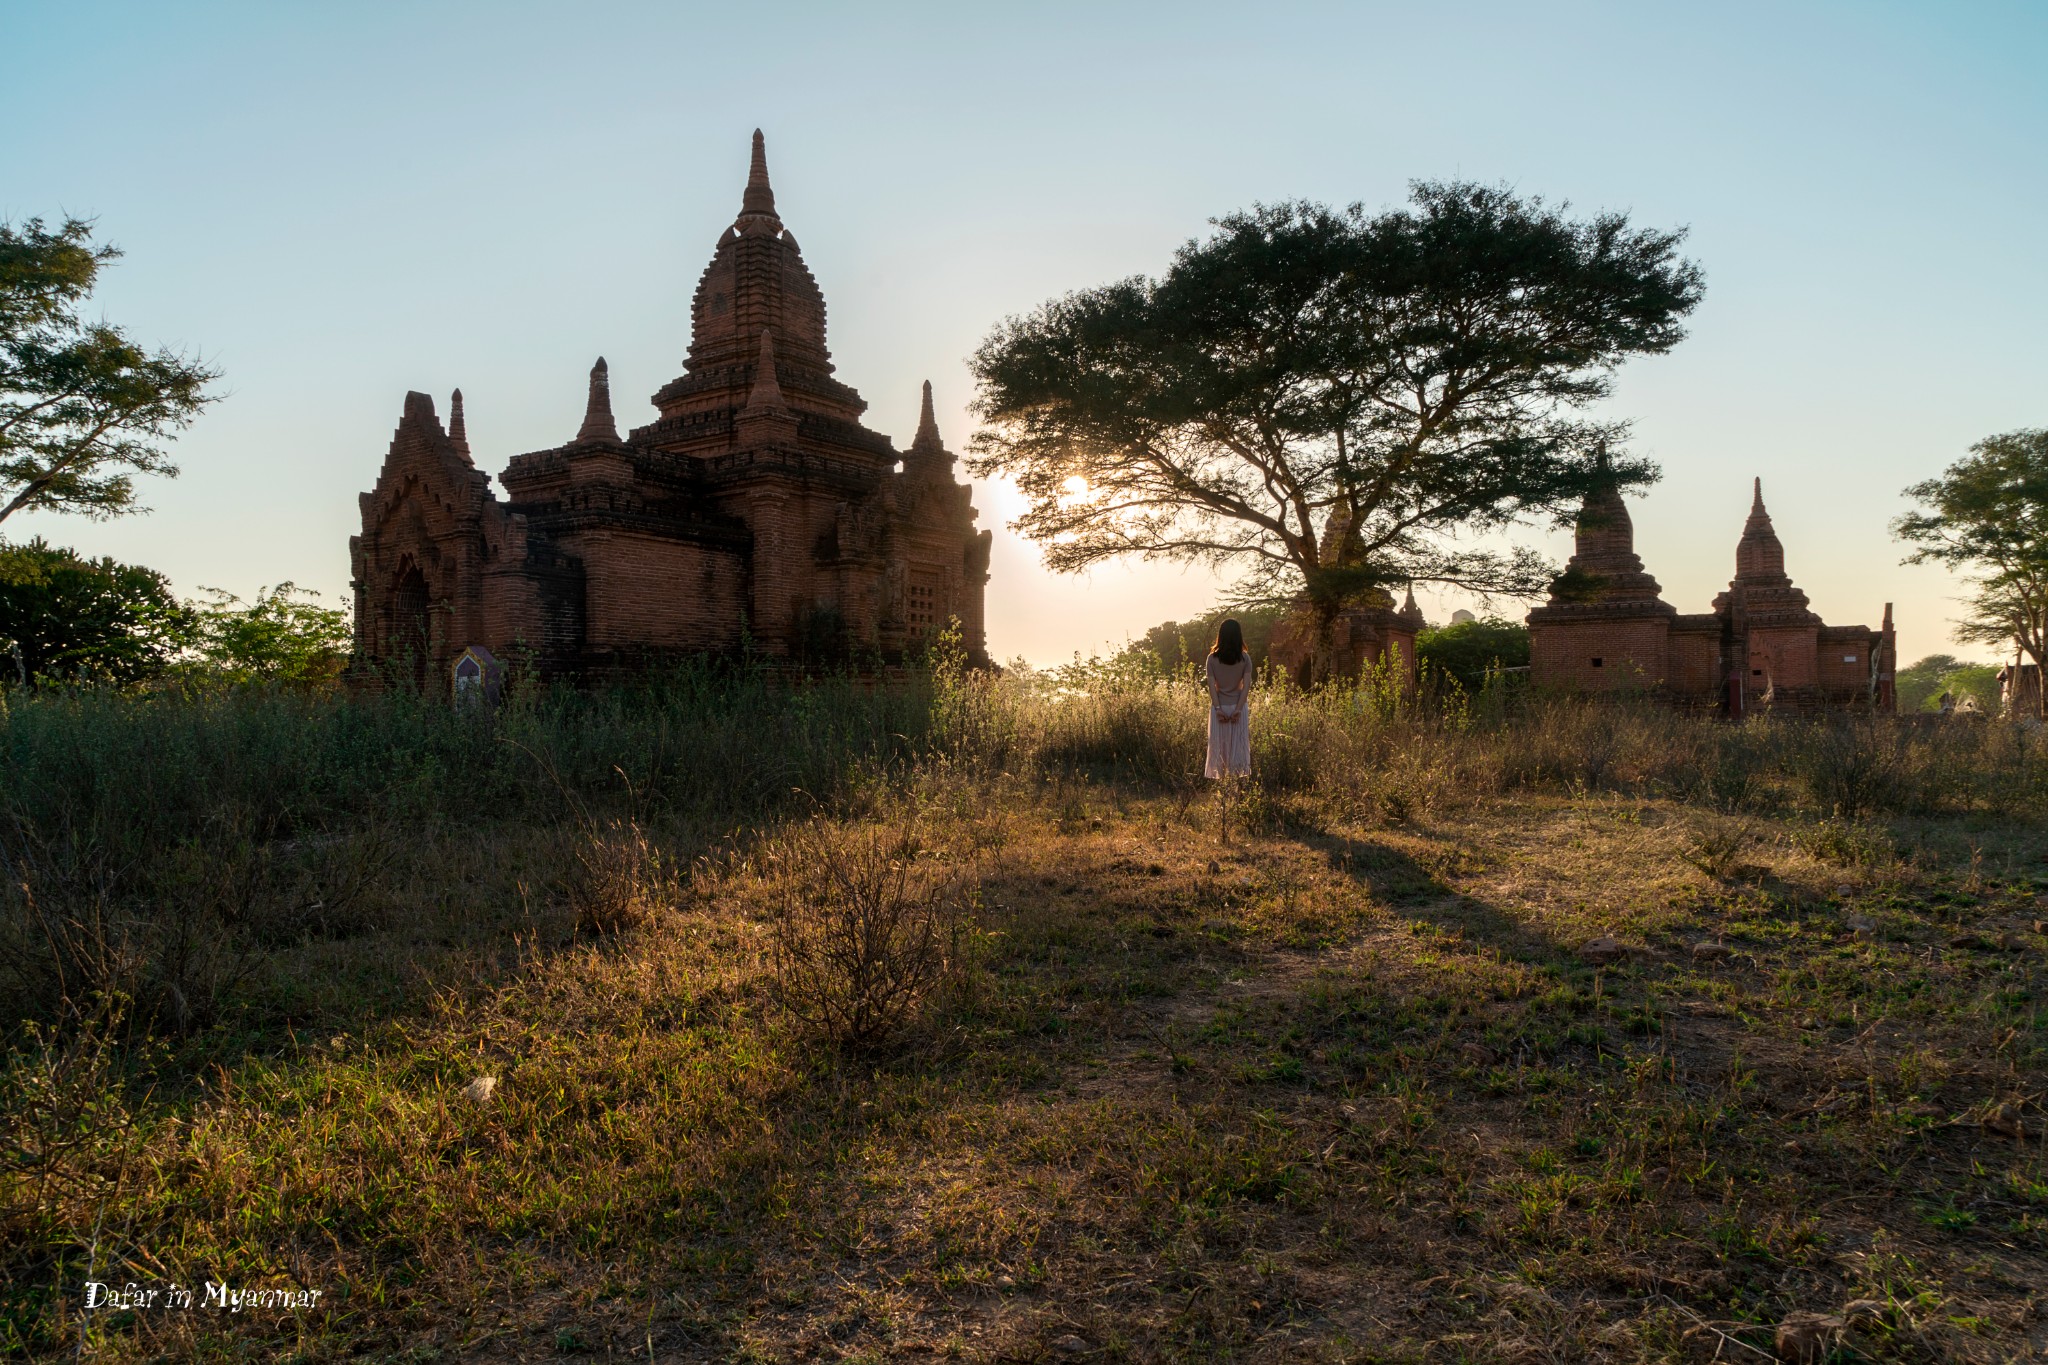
x=1465 y=651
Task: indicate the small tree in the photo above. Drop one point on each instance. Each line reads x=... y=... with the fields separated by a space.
x=284 y=636
x=83 y=408
x=1323 y=401
x=1919 y=683
x=65 y=618
x=1986 y=518
x=1468 y=650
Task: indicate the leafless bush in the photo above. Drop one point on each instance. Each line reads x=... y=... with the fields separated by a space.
x=72 y=1146
x=620 y=878
x=869 y=927
x=1850 y=768
x=76 y=930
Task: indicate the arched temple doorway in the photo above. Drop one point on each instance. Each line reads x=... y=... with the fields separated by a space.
x=410 y=638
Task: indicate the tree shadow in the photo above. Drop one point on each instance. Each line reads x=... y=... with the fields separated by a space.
x=1414 y=889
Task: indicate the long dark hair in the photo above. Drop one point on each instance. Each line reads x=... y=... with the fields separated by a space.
x=1229 y=646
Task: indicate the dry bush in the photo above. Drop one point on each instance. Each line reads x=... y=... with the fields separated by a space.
x=75 y=930
x=1716 y=847
x=620 y=878
x=71 y=1150
x=870 y=927
x=1853 y=766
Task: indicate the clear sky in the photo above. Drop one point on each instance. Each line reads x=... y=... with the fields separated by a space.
x=336 y=203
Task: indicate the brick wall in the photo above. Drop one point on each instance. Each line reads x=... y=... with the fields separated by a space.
x=1693 y=664
x=1600 y=655
x=1785 y=656
x=644 y=591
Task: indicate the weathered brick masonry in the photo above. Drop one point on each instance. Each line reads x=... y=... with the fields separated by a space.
x=1606 y=628
x=754 y=509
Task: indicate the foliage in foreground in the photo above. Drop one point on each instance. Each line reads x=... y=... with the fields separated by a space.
x=1345 y=1088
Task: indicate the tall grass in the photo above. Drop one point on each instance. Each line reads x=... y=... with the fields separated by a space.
x=203 y=892
x=167 y=847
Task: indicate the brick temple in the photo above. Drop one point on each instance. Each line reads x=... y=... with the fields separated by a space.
x=1607 y=628
x=1370 y=633
x=755 y=511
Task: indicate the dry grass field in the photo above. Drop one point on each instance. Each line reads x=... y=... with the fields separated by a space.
x=726 y=1021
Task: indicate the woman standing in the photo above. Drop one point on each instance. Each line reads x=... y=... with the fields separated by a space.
x=1229 y=672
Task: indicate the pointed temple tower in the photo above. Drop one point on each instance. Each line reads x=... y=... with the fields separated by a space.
x=754 y=510
x=1605 y=628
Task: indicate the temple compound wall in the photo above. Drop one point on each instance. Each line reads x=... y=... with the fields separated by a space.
x=1606 y=628
x=754 y=511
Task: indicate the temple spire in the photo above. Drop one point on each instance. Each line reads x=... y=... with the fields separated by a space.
x=1759 y=554
x=1604 y=535
x=597 y=412
x=457 y=432
x=419 y=413
x=927 y=441
x=1411 y=614
x=766 y=395
x=759 y=200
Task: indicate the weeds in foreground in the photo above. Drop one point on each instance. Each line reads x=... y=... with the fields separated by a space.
x=829 y=1022
x=871 y=925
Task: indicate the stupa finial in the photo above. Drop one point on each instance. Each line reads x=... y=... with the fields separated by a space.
x=759 y=199
x=597 y=412
x=927 y=441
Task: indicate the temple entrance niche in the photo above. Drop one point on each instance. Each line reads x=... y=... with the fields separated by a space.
x=410 y=638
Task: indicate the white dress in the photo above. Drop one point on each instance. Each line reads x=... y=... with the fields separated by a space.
x=1230 y=745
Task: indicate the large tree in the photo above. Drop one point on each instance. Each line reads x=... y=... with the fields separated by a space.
x=65 y=618
x=1986 y=518
x=83 y=407
x=1326 y=403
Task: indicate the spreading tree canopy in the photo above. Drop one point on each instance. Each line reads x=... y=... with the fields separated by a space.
x=83 y=408
x=1327 y=402
x=1986 y=518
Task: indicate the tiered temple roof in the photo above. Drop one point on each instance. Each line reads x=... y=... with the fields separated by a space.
x=1605 y=576
x=1762 y=593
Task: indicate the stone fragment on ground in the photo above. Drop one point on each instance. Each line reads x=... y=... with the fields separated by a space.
x=1805 y=1338
x=2006 y=1122
x=1603 y=951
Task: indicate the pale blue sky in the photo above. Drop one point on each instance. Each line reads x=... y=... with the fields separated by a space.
x=338 y=203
